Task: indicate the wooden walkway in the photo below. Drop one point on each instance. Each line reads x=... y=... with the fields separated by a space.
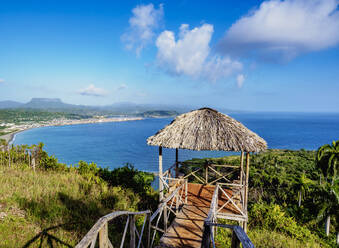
x=186 y=229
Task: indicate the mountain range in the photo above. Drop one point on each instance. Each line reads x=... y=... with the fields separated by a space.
x=57 y=105
x=119 y=108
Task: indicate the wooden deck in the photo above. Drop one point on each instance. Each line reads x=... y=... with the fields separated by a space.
x=187 y=228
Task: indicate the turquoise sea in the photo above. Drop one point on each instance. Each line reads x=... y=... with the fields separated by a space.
x=114 y=144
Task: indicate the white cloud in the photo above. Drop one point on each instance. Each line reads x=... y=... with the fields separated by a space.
x=91 y=90
x=240 y=80
x=284 y=29
x=190 y=54
x=142 y=25
x=122 y=87
x=2 y=80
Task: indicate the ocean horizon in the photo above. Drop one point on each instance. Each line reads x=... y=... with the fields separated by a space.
x=115 y=144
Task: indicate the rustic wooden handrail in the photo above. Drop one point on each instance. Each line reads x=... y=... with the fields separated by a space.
x=238 y=236
x=165 y=205
x=101 y=228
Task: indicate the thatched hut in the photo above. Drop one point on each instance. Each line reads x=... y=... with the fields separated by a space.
x=207 y=129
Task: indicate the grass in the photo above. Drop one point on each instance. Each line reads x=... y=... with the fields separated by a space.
x=266 y=238
x=54 y=207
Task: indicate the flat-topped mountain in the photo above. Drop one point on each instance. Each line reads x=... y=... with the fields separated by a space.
x=47 y=103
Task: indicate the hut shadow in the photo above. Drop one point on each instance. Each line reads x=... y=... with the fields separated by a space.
x=51 y=240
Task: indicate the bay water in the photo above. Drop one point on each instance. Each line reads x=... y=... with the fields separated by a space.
x=117 y=143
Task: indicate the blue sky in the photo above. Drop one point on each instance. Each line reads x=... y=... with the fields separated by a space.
x=243 y=55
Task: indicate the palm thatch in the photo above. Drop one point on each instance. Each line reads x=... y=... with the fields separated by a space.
x=207 y=129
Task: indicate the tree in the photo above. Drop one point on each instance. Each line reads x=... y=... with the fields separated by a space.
x=302 y=186
x=329 y=204
x=328 y=160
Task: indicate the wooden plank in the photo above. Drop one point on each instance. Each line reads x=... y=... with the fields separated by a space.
x=187 y=228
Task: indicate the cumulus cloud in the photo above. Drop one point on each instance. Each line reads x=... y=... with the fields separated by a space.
x=2 y=80
x=284 y=29
x=240 y=80
x=91 y=90
x=190 y=54
x=142 y=26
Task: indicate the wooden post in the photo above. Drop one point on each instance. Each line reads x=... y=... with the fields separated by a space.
x=161 y=185
x=176 y=163
x=206 y=236
x=241 y=167
x=186 y=189
x=235 y=240
x=132 y=231
x=148 y=216
x=206 y=173
x=161 y=188
x=177 y=203
x=103 y=236
x=241 y=223
x=246 y=185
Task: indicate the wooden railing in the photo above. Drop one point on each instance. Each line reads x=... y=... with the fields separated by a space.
x=238 y=236
x=177 y=196
x=210 y=224
x=100 y=229
x=208 y=174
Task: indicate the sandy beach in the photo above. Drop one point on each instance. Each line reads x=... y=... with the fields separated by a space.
x=62 y=122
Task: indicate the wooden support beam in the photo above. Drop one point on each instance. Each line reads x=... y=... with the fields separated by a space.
x=206 y=173
x=132 y=231
x=161 y=185
x=176 y=163
x=235 y=241
x=103 y=236
x=246 y=187
x=148 y=216
x=241 y=166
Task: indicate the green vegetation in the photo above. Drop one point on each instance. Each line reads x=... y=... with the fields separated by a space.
x=159 y=113
x=29 y=115
x=56 y=204
x=292 y=195
x=289 y=198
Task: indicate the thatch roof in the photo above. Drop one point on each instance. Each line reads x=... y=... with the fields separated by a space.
x=207 y=129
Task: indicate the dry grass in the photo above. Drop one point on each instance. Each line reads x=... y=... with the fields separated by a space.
x=53 y=207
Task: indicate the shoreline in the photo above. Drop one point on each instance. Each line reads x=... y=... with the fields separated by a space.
x=10 y=137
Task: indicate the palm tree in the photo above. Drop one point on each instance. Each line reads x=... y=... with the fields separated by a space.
x=302 y=186
x=328 y=160
x=329 y=204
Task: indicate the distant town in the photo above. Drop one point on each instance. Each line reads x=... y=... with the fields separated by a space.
x=39 y=112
